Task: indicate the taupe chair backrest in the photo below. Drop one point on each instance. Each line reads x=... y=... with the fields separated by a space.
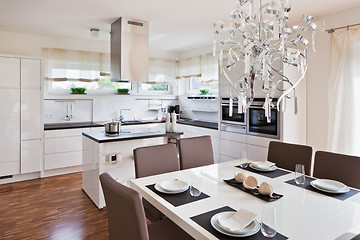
x=287 y=155
x=126 y=216
x=343 y=168
x=155 y=160
x=195 y=152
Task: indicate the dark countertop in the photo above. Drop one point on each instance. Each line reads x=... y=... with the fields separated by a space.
x=69 y=125
x=199 y=123
x=139 y=133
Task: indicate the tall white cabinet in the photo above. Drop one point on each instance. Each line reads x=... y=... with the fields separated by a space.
x=20 y=121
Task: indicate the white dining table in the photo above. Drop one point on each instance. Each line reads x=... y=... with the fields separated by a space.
x=301 y=214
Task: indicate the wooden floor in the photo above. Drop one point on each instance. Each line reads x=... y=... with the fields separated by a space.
x=50 y=208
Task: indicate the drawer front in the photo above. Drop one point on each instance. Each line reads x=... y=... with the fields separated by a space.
x=233 y=136
x=65 y=132
x=256 y=153
x=206 y=131
x=60 y=145
x=232 y=149
x=224 y=158
x=62 y=160
x=259 y=141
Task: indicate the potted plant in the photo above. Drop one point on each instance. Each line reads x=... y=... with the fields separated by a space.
x=122 y=91
x=204 y=91
x=78 y=90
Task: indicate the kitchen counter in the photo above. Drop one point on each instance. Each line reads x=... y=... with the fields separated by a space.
x=69 y=125
x=138 y=133
x=199 y=123
x=114 y=155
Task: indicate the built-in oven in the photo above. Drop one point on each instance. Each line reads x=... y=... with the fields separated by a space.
x=231 y=119
x=257 y=123
x=230 y=113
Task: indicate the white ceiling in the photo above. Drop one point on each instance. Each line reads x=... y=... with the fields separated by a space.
x=175 y=25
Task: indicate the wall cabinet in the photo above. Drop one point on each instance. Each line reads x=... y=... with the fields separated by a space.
x=20 y=124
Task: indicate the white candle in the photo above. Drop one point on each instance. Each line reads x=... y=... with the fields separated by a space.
x=231 y=107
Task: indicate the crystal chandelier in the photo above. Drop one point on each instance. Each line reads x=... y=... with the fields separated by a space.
x=257 y=45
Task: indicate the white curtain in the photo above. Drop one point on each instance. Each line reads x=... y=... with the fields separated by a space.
x=162 y=70
x=64 y=65
x=344 y=93
x=209 y=65
x=189 y=67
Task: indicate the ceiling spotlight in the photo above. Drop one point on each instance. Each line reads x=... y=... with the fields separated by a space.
x=94 y=32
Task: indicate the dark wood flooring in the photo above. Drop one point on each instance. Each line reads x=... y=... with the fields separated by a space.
x=53 y=208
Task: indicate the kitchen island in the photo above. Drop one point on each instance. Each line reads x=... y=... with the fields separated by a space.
x=114 y=154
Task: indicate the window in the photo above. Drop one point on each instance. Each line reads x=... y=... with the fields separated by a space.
x=196 y=84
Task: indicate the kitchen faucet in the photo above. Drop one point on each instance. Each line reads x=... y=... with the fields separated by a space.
x=121 y=118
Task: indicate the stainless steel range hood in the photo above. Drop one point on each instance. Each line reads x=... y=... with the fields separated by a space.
x=129 y=50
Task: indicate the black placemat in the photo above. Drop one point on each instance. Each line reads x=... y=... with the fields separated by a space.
x=272 y=174
x=255 y=192
x=204 y=221
x=307 y=186
x=178 y=199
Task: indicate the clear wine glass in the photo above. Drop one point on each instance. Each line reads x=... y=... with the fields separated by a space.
x=195 y=182
x=269 y=222
x=299 y=174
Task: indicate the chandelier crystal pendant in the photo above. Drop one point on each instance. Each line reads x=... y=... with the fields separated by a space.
x=255 y=45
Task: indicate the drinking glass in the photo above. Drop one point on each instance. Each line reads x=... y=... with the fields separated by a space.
x=194 y=184
x=299 y=174
x=269 y=222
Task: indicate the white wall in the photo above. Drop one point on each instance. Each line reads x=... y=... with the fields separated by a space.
x=318 y=77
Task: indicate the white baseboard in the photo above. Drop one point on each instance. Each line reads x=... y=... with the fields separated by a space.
x=61 y=171
x=20 y=177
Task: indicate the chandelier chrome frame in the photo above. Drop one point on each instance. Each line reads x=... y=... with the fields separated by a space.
x=256 y=43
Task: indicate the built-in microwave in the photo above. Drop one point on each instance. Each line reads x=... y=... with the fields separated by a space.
x=234 y=118
x=257 y=123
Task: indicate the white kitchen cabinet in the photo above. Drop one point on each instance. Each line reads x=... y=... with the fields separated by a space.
x=234 y=144
x=193 y=131
x=62 y=160
x=232 y=149
x=9 y=72
x=256 y=153
x=63 y=148
x=10 y=131
x=30 y=156
x=31 y=126
x=20 y=91
x=224 y=158
x=30 y=74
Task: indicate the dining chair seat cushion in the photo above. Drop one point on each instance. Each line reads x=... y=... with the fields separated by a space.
x=167 y=230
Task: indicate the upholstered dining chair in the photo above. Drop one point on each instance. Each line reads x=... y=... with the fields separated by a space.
x=126 y=216
x=195 y=152
x=153 y=160
x=287 y=155
x=340 y=167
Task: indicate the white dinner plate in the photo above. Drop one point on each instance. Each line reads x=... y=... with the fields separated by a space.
x=160 y=189
x=174 y=185
x=254 y=227
x=329 y=186
x=273 y=168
